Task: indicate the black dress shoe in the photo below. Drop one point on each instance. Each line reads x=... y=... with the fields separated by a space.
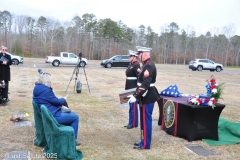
x=126 y=126
x=137 y=147
x=78 y=143
x=7 y=100
x=136 y=144
x=4 y=101
x=129 y=127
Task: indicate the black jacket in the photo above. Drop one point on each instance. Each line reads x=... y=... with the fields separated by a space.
x=146 y=90
x=5 y=69
x=132 y=72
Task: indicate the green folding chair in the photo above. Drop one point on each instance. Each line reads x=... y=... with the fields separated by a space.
x=60 y=138
x=40 y=135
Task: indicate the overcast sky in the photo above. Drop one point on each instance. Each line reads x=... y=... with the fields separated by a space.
x=199 y=15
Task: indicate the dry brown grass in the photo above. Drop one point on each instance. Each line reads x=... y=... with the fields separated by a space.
x=101 y=128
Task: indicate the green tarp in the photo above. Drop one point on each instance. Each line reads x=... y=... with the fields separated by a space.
x=228 y=132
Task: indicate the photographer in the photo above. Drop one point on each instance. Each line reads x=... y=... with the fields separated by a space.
x=80 y=61
x=80 y=56
x=43 y=94
x=5 y=62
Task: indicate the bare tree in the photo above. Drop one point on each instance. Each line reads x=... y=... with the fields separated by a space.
x=229 y=31
x=52 y=32
x=6 y=24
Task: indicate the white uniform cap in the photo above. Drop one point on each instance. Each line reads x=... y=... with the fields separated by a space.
x=132 y=53
x=143 y=49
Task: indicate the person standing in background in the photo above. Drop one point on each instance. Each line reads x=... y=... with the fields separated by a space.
x=147 y=94
x=5 y=75
x=132 y=72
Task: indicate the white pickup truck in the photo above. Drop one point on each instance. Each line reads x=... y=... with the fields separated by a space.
x=66 y=58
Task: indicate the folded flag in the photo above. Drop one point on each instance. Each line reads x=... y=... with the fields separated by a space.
x=171 y=91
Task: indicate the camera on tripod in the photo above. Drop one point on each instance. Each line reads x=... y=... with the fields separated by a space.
x=76 y=71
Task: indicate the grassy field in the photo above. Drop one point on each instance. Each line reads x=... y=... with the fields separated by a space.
x=102 y=118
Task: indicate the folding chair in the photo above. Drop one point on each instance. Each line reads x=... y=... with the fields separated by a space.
x=40 y=135
x=60 y=138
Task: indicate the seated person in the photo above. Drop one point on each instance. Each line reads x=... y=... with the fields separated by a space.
x=43 y=94
x=2 y=86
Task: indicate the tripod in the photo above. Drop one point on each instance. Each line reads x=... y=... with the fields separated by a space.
x=78 y=77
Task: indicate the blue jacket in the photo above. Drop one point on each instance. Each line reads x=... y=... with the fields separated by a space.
x=44 y=95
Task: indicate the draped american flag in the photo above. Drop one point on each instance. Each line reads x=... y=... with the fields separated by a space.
x=171 y=91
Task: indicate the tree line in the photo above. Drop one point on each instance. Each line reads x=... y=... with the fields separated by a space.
x=100 y=39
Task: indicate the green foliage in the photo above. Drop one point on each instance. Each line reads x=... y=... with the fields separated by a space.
x=17 y=47
x=218 y=95
x=109 y=29
x=173 y=27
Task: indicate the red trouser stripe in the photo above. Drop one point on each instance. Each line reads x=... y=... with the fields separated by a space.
x=144 y=126
x=134 y=114
x=176 y=119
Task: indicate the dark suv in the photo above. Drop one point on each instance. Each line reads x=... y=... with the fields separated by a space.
x=205 y=64
x=116 y=61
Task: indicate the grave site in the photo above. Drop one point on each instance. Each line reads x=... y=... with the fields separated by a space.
x=102 y=116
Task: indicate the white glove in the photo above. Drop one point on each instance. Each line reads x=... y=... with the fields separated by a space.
x=132 y=99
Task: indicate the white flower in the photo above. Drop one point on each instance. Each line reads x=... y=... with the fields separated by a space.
x=210 y=103
x=194 y=101
x=214 y=91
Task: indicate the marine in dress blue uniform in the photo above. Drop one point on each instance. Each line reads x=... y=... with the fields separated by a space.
x=132 y=72
x=147 y=94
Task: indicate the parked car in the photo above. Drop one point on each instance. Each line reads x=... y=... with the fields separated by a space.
x=116 y=61
x=66 y=58
x=15 y=59
x=205 y=64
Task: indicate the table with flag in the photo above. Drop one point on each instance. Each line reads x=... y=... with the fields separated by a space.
x=192 y=122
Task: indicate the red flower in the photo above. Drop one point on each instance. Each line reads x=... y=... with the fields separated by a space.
x=207 y=100
x=199 y=101
x=214 y=101
x=213 y=80
x=213 y=86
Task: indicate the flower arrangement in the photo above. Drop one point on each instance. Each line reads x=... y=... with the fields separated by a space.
x=19 y=117
x=214 y=92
